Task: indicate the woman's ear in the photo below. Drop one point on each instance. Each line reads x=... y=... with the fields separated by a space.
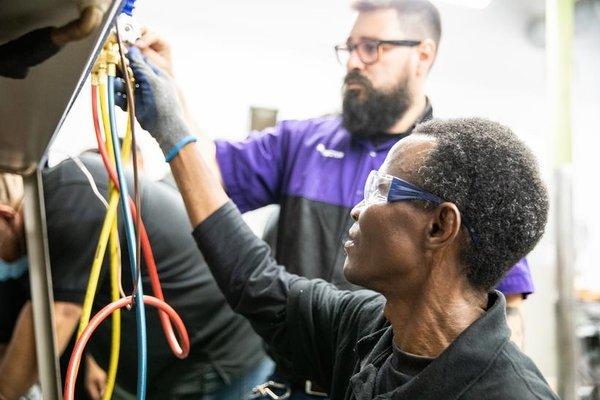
x=444 y=225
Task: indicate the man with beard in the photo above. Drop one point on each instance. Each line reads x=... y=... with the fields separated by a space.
x=315 y=169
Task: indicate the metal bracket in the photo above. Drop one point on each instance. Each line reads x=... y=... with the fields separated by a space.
x=41 y=286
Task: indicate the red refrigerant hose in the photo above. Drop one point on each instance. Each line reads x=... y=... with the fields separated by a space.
x=181 y=351
x=75 y=361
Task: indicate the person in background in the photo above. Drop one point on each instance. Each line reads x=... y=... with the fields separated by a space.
x=315 y=169
x=226 y=358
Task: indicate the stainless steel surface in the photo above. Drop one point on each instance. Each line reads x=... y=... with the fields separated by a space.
x=33 y=109
x=41 y=286
x=565 y=253
x=18 y=17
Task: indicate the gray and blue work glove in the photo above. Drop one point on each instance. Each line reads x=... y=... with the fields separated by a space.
x=157 y=106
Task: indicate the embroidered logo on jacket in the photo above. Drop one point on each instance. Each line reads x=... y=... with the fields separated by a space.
x=328 y=152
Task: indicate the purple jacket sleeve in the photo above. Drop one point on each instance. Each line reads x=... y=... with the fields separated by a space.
x=517 y=280
x=252 y=169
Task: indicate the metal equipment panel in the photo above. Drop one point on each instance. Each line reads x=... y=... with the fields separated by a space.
x=33 y=109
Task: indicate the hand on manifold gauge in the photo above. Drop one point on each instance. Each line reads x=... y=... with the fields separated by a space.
x=156 y=49
x=157 y=105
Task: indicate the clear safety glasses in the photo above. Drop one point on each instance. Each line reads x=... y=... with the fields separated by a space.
x=383 y=188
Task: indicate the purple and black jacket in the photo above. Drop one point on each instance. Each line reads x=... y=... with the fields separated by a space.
x=315 y=170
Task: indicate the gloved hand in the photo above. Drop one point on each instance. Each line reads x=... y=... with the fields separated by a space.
x=157 y=106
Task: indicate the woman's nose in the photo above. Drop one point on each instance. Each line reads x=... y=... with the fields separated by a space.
x=357 y=209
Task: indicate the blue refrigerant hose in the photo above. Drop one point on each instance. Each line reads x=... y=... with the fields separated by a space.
x=131 y=247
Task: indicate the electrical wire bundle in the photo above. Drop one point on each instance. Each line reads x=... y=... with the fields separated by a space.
x=114 y=156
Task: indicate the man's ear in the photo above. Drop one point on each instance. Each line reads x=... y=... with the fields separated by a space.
x=444 y=225
x=427 y=52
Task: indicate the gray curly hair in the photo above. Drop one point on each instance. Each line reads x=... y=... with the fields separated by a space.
x=493 y=178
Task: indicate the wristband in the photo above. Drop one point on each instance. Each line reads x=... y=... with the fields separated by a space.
x=175 y=150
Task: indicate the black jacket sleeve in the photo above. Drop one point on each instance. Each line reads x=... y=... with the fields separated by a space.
x=303 y=321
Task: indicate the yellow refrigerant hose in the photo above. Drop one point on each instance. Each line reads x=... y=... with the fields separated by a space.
x=109 y=231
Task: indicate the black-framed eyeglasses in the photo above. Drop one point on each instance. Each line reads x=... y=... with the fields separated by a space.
x=369 y=51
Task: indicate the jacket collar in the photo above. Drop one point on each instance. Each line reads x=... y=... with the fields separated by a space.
x=449 y=374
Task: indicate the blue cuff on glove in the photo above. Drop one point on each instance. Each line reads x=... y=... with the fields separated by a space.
x=175 y=150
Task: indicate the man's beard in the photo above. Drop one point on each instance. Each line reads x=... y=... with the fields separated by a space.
x=367 y=112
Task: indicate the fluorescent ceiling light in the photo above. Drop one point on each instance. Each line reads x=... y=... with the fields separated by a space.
x=478 y=4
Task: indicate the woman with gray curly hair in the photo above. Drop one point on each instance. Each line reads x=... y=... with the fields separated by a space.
x=453 y=206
